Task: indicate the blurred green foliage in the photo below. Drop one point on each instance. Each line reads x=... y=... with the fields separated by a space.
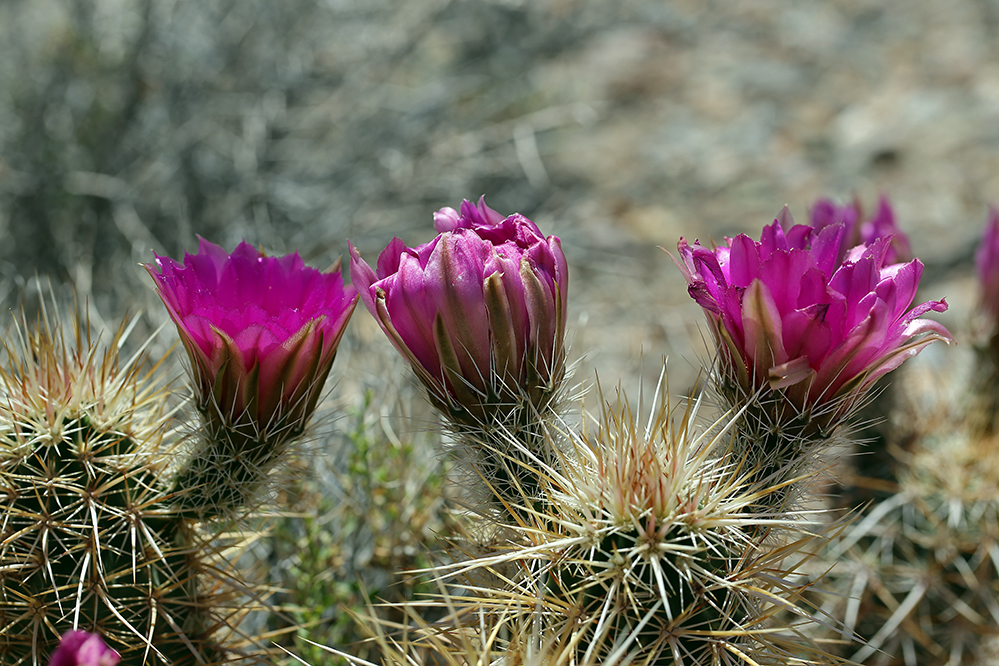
x=336 y=550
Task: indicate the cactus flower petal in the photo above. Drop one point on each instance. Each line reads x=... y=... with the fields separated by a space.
x=81 y=648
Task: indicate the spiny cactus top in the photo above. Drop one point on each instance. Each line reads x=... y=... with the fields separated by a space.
x=786 y=313
x=91 y=537
x=81 y=648
x=479 y=311
x=261 y=331
x=855 y=232
x=646 y=552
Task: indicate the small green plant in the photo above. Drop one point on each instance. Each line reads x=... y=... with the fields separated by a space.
x=357 y=533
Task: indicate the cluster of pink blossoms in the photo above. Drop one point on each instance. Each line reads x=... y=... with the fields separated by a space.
x=479 y=312
x=816 y=311
x=800 y=312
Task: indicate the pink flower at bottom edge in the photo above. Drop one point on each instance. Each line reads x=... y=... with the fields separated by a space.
x=82 y=648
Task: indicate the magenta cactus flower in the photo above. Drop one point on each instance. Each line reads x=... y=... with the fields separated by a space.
x=983 y=405
x=987 y=263
x=882 y=225
x=788 y=314
x=261 y=332
x=479 y=311
x=825 y=213
x=81 y=648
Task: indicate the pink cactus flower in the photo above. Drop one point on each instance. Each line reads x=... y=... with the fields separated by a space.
x=81 y=648
x=261 y=332
x=855 y=232
x=479 y=311
x=825 y=213
x=789 y=314
x=987 y=263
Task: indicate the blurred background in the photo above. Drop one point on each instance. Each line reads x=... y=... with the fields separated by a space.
x=133 y=126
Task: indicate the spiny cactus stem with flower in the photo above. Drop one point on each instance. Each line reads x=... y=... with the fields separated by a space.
x=261 y=334
x=90 y=538
x=479 y=312
x=804 y=327
x=111 y=519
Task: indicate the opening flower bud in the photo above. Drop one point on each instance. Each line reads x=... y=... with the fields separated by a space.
x=857 y=232
x=479 y=311
x=987 y=265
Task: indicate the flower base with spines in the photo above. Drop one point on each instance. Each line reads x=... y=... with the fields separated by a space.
x=227 y=472
x=781 y=444
x=503 y=453
x=90 y=538
x=983 y=394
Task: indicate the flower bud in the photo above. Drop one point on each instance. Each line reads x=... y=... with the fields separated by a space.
x=479 y=311
x=987 y=265
x=881 y=225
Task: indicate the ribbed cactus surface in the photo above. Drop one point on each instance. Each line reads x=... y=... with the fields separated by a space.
x=89 y=537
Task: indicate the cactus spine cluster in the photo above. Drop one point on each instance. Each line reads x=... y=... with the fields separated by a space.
x=646 y=550
x=91 y=535
x=922 y=567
